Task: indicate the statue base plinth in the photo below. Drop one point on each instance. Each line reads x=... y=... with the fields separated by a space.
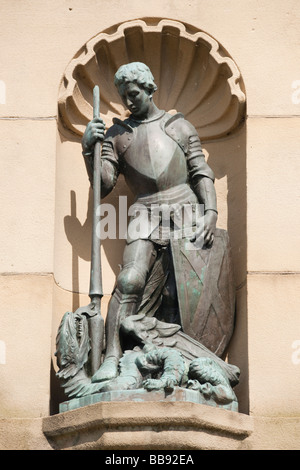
x=141 y=395
x=148 y=425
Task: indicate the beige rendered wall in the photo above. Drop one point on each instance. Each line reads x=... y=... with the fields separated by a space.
x=38 y=41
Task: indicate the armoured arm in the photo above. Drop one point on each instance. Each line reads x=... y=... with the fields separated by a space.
x=202 y=180
x=109 y=167
x=205 y=190
x=201 y=175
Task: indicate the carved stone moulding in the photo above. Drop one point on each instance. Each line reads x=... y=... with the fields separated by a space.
x=194 y=75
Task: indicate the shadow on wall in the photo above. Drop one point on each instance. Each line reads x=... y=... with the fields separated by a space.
x=79 y=236
x=227 y=158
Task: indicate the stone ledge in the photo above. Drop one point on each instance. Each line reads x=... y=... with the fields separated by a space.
x=148 y=425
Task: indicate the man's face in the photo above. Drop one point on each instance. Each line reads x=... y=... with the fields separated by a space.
x=136 y=99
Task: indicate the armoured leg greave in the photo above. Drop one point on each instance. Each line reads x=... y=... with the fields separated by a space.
x=120 y=307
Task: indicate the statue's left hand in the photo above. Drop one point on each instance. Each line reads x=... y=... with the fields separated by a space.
x=206 y=228
x=210 y=221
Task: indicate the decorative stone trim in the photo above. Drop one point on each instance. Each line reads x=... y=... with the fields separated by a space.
x=193 y=72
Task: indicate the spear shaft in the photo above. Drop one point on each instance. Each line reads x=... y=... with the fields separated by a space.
x=96 y=322
x=96 y=272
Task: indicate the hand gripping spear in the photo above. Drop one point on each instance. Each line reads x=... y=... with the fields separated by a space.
x=93 y=310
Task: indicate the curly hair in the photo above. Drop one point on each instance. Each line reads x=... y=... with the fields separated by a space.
x=135 y=72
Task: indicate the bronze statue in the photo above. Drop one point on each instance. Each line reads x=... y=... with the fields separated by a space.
x=161 y=158
x=158 y=154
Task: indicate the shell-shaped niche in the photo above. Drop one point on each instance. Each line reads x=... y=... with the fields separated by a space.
x=193 y=73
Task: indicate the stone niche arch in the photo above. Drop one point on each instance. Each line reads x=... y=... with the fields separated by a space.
x=196 y=76
x=192 y=70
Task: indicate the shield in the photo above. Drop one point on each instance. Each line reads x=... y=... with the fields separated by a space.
x=205 y=290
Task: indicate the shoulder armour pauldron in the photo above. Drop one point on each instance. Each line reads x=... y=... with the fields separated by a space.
x=174 y=127
x=124 y=136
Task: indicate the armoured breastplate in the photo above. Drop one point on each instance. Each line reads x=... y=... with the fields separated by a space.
x=153 y=161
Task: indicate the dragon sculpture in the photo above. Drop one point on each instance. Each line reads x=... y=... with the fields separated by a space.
x=157 y=356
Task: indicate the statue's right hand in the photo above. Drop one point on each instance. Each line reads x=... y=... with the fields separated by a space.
x=95 y=131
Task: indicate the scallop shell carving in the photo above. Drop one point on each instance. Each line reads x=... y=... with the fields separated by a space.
x=192 y=72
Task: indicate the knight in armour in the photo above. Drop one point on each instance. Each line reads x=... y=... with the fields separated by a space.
x=161 y=158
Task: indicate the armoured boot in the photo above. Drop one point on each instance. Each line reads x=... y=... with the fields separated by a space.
x=120 y=307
